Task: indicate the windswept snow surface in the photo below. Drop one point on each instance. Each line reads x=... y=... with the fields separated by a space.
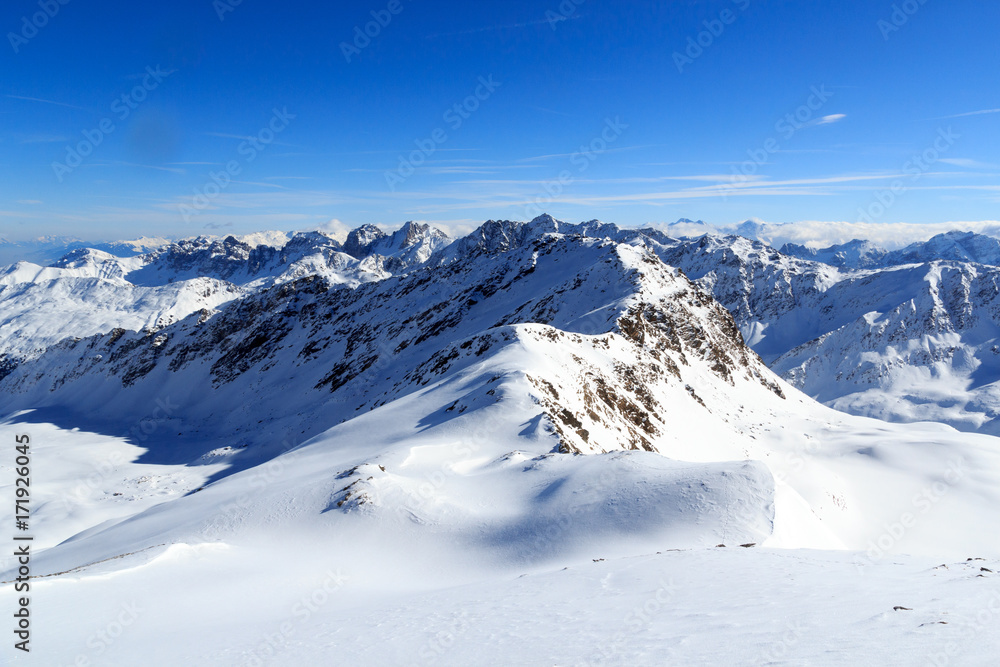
x=526 y=448
x=452 y=555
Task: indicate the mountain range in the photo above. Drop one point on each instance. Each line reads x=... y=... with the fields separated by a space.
x=401 y=431
x=902 y=335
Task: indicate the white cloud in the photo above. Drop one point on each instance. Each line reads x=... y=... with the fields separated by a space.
x=966 y=163
x=970 y=113
x=827 y=120
x=38 y=99
x=821 y=234
x=336 y=229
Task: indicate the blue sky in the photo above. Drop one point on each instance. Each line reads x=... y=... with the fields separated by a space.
x=187 y=117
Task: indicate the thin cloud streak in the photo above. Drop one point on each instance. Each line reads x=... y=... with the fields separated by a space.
x=492 y=28
x=967 y=163
x=226 y=135
x=61 y=104
x=562 y=155
x=968 y=113
x=172 y=170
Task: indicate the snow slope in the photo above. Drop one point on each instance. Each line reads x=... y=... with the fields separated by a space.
x=394 y=539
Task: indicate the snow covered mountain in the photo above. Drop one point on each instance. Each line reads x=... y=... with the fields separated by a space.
x=954 y=246
x=858 y=254
x=577 y=342
x=915 y=340
x=85 y=293
x=858 y=327
x=91 y=291
x=387 y=432
x=818 y=235
x=361 y=347
x=43 y=248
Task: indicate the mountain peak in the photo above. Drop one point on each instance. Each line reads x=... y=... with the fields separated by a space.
x=360 y=240
x=545 y=220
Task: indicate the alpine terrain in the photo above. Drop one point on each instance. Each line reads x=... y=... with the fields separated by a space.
x=541 y=443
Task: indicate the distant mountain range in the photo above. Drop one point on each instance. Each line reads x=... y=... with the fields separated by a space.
x=46 y=249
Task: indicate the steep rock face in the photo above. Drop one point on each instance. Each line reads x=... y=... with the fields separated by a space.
x=491 y=238
x=775 y=299
x=204 y=256
x=499 y=236
x=615 y=348
x=233 y=260
x=409 y=246
x=359 y=241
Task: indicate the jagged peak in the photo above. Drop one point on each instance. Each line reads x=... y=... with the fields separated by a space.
x=413 y=232
x=360 y=240
x=545 y=220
